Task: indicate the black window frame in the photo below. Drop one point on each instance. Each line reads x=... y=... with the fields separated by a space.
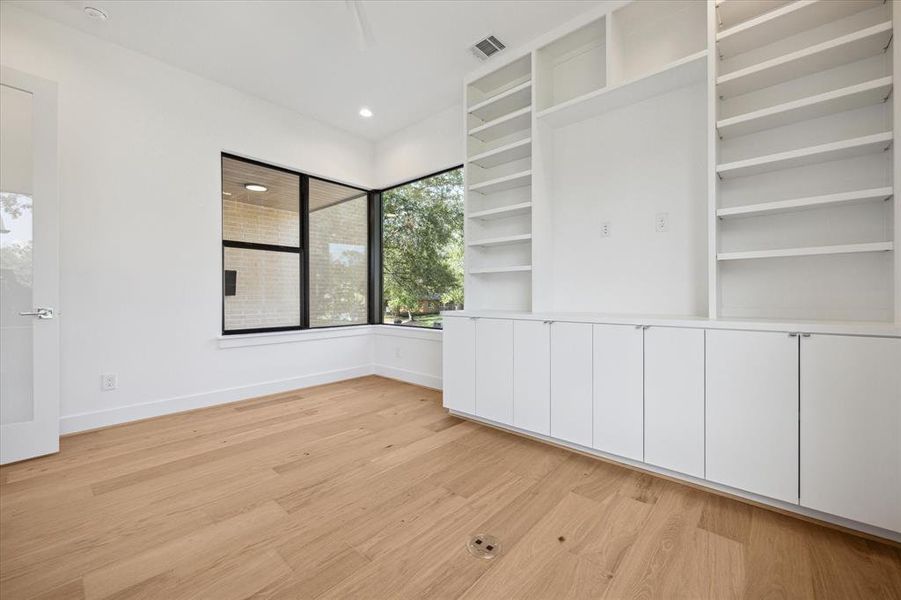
x=376 y=314
x=302 y=249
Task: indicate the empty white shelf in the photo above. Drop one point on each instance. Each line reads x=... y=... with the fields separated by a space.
x=501 y=184
x=504 y=103
x=506 y=153
x=824 y=201
x=786 y=21
x=502 y=212
x=503 y=126
x=806 y=156
x=811 y=251
x=678 y=74
x=811 y=107
x=502 y=241
x=511 y=269
x=731 y=12
x=819 y=57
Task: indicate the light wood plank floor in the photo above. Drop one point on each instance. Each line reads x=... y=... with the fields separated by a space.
x=368 y=489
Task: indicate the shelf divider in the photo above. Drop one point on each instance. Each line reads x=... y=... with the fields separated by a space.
x=786 y=21
x=503 y=126
x=805 y=156
x=847 y=98
x=819 y=57
x=510 y=269
x=502 y=241
x=504 y=103
x=507 y=153
x=502 y=212
x=501 y=184
x=678 y=74
x=810 y=202
x=809 y=251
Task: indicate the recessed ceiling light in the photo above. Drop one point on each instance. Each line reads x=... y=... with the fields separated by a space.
x=255 y=187
x=365 y=112
x=95 y=13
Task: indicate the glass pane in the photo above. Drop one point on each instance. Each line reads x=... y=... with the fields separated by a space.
x=263 y=289
x=258 y=215
x=422 y=248
x=338 y=253
x=16 y=236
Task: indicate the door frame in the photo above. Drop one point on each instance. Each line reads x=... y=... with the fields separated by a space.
x=20 y=441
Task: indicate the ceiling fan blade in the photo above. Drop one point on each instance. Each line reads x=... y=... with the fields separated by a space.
x=364 y=31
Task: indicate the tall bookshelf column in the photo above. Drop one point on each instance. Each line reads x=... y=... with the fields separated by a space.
x=804 y=211
x=498 y=188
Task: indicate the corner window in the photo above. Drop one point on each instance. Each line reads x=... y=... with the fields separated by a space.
x=422 y=249
x=295 y=250
x=261 y=247
x=339 y=252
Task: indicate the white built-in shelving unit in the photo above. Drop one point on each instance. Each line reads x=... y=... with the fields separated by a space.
x=765 y=127
x=499 y=185
x=803 y=161
x=681 y=242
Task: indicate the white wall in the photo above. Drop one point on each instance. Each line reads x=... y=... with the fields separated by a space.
x=140 y=242
x=624 y=168
x=428 y=146
x=425 y=147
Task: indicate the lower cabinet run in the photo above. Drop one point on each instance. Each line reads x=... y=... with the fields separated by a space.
x=674 y=399
x=851 y=428
x=571 y=382
x=810 y=420
x=494 y=369
x=532 y=376
x=619 y=390
x=752 y=412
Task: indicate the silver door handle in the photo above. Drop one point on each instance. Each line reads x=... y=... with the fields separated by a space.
x=41 y=313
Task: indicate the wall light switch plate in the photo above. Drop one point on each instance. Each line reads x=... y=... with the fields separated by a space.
x=109 y=382
x=605 y=229
x=661 y=222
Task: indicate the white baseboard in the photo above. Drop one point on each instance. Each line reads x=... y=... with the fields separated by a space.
x=135 y=412
x=423 y=379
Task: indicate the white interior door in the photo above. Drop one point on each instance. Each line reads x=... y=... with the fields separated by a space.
x=29 y=268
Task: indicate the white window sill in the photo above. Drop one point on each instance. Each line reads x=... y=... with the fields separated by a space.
x=287 y=337
x=420 y=333
x=244 y=340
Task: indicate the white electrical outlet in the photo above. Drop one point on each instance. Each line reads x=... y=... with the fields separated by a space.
x=661 y=222
x=605 y=229
x=109 y=382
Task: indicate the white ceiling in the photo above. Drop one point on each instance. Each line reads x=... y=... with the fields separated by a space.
x=307 y=55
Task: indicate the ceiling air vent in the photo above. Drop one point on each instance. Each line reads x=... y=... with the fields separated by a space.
x=487 y=47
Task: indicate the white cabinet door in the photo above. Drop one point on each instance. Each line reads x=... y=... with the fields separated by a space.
x=532 y=376
x=752 y=412
x=458 y=364
x=494 y=370
x=851 y=428
x=619 y=390
x=571 y=382
x=674 y=399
